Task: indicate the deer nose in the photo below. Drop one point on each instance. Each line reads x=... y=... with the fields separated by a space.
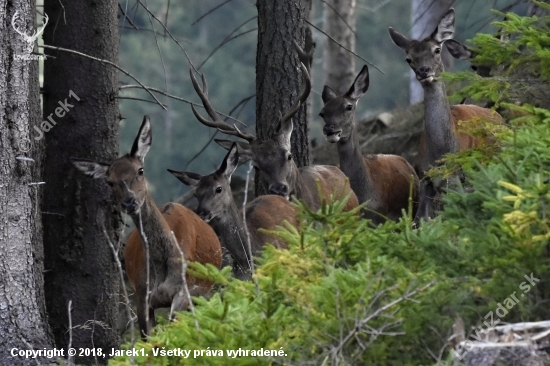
x=423 y=71
x=279 y=190
x=129 y=204
x=328 y=129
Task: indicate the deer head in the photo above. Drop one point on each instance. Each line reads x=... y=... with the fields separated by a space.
x=271 y=157
x=30 y=39
x=424 y=57
x=125 y=175
x=213 y=191
x=339 y=110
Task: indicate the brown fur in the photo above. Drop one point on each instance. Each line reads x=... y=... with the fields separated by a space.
x=391 y=177
x=268 y=213
x=333 y=182
x=196 y=239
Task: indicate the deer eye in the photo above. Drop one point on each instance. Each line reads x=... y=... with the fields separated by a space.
x=140 y=171
x=437 y=50
x=219 y=190
x=289 y=158
x=321 y=115
x=110 y=183
x=408 y=60
x=473 y=67
x=349 y=107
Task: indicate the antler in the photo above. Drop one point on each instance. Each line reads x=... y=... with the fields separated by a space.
x=216 y=121
x=39 y=32
x=14 y=25
x=306 y=57
x=306 y=88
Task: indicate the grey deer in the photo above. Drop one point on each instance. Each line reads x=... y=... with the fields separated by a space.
x=384 y=181
x=161 y=230
x=218 y=208
x=273 y=157
x=440 y=135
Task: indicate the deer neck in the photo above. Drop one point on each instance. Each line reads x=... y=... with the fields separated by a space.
x=231 y=230
x=438 y=128
x=155 y=234
x=353 y=166
x=300 y=189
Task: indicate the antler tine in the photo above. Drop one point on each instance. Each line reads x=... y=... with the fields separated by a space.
x=16 y=17
x=306 y=88
x=305 y=57
x=216 y=121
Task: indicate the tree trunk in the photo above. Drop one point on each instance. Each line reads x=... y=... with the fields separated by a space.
x=278 y=75
x=80 y=96
x=425 y=14
x=339 y=64
x=535 y=10
x=22 y=308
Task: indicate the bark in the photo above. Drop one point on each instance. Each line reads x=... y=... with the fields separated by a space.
x=339 y=64
x=23 y=322
x=535 y=10
x=425 y=14
x=79 y=260
x=278 y=76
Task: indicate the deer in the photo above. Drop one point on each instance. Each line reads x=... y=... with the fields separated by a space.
x=383 y=181
x=273 y=158
x=171 y=234
x=440 y=135
x=217 y=207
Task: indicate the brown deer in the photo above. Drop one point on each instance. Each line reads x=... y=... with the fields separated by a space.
x=440 y=120
x=384 y=181
x=218 y=208
x=159 y=230
x=273 y=158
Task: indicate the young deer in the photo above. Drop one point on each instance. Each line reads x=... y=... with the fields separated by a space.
x=274 y=160
x=218 y=208
x=160 y=231
x=382 y=180
x=440 y=136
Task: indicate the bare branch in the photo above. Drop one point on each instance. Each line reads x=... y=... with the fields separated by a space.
x=341 y=45
x=108 y=63
x=127 y=17
x=341 y=17
x=210 y=11
x=225 y=41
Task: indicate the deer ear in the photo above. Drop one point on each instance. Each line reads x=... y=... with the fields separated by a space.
x=230 y=163
x=360 y=85
x=245 y=152
x=458 y=50
x=142 y=143
x=187 y=178
x=91 y=168
x=328 y=94
x=446 y=27
x=400 y=40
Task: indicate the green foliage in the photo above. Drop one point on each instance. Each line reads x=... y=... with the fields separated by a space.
x=348 y=293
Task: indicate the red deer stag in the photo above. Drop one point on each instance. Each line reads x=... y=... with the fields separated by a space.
x=218 y=208
x=274 y=160
x=440 y=120
x=384 y=181
x=160 y=231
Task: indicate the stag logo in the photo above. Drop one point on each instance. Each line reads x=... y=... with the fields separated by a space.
x=19 y=25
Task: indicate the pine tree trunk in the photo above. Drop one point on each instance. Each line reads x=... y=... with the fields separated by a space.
x=425 y=14
x=278 y=75
x=339 y=64
x=79 y=259
x=22 y=308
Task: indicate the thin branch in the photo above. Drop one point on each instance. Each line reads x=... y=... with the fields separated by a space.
x=139 y=99
x=249 y=245
x=146 y=6
x=166 y=16
x=340 y=16
x=69 y=309
x=171 y=36
x=344 y=47
x=127 y=17
x=210 y=11
x=228 y=38
x=105 y=62
x=185 y=287
x=124 y=291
